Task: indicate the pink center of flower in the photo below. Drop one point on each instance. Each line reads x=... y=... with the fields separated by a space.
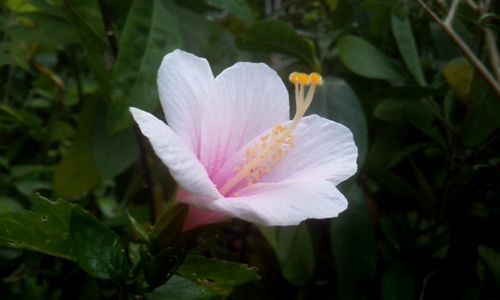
x=271 y=148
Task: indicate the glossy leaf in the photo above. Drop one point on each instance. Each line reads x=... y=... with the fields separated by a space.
x=364 y=59
x=93 y=243
x=178 y=287
x=273 y=36
x=44 y=229
x=218 y=276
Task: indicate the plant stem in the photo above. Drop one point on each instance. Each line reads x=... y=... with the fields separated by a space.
x=451 y=13
x=457 y=40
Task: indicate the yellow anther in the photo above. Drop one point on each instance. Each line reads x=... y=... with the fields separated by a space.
x=315 y=79
x=294 y=77
x=299 y=78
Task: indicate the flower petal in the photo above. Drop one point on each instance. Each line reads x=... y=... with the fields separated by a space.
x=323 y=149
x=282 y=204
x=185 y=82
x=176 y=155
x=251 y=98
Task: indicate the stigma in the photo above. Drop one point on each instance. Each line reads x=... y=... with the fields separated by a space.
x=271 y=148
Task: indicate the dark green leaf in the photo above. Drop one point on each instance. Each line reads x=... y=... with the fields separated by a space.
x=483 y=119
x=354 y=247
x=87 y=19
x=397 y=283
x=45 y=229
x=238 y=8
x=295 y=251
x=93 y=243
x=218 y=276
x=364 y=59
x=273 y=36
x=401 y=28
x=113 y=152
x=419 y=114
x=181 y=288
x=150 y=32
x=77 y=172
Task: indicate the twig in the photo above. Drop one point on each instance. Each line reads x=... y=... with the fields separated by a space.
x=491 y=44
x=457 y=40
x=451 y=12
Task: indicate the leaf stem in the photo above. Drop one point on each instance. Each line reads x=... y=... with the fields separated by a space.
x=457 y=40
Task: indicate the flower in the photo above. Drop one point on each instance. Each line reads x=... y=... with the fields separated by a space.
x=233 y=150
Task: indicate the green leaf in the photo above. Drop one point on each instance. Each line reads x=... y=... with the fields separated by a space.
x=294 y=248
x=217 y=276
x=397 y=283
x=77 y=172
x=354 y=247
x=238 y=8
x=459 y=74
x=418 y=113
x=483 y=118
x=336 y=100
x=93 y=243
x=45 y=229
x=364 y=59
x=178 y=287
x=113 y=152
x=87 y=19
x=273 y=36
x=403 y=33
x=149 y=33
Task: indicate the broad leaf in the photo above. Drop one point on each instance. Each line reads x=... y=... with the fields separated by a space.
x=92 y=243
x=273 y=36
x=294 y=248
x=217 y=276
x=45 y=229
x=178 y=287
x=364 y=59
x=354 y=247
x=401 y=28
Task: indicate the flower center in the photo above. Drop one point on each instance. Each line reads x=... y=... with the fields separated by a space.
x=274 y=146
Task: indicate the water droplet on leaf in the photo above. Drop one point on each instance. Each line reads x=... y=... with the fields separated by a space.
x=44 y=218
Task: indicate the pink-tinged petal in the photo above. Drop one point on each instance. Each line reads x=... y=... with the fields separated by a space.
x=251 y=98
x=198 y=217
x=185 y=82
x=176 y=155
x=282 y=204
x=323 y=149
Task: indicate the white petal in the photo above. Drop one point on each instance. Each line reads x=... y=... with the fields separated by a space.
x=323 y=149
x=185 y=82
x=251 y=98
x=176 y=155
x=282 y=204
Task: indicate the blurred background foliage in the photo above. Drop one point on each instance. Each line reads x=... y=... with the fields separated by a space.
x=424 y=216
